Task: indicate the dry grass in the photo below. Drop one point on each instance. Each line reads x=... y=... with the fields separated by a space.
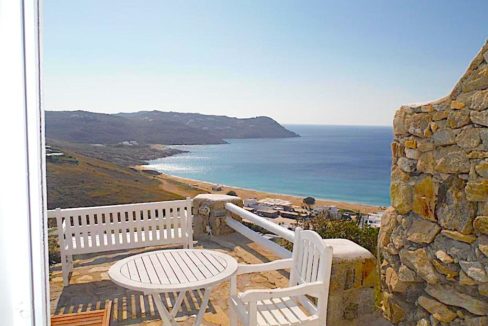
x=93 y=182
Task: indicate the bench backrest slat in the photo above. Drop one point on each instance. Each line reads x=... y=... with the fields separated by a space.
x=105 y=228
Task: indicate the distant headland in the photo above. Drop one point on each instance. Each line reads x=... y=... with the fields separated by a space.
x=157 y=127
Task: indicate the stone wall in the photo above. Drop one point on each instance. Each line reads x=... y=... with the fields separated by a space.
x=433 y=244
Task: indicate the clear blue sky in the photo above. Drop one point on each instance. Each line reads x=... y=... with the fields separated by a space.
x=313 y=62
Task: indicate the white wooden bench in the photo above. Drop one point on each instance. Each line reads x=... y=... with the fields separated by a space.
x=118 y=227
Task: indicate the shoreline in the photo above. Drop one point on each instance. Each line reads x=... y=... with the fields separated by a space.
x=187 y=187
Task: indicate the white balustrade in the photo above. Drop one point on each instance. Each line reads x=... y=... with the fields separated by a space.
x=263 y=223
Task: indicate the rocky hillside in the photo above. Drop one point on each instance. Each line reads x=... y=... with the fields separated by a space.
x=219 y=126
x=156 y=127
x=76 y=180
x=124 y=154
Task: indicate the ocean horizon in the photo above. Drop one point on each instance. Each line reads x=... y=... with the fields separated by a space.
x=342 y=163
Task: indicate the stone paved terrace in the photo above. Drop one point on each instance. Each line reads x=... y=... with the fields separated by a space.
x=90 y=287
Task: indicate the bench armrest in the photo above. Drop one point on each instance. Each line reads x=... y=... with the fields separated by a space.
x=312 y=289
x=271 y=266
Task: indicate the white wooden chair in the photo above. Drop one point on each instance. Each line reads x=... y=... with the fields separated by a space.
x=310 y=269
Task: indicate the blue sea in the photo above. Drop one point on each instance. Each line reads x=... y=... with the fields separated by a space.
x=344 y=163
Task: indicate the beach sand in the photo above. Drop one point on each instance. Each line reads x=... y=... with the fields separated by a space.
x=190 y=188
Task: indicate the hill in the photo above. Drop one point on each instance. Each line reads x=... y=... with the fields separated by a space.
x=75 y=180
x=100 y=128
x=121 y=154
x=156 y=127
x=219 y=126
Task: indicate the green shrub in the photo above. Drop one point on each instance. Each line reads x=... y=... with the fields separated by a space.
x=255 y=228
x=366 y=237
x=53 y=246
x=309 y=201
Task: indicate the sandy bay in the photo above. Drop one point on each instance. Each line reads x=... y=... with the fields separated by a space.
x=187 y=187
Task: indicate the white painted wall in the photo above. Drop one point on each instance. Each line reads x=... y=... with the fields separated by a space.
x=23 y=254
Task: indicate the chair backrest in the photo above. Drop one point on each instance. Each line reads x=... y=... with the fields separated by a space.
x=312 y=259
x=312 y=262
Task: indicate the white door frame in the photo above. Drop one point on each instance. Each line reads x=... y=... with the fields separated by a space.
x=24 y=294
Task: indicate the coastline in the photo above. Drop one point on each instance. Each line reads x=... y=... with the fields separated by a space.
x=187 y=187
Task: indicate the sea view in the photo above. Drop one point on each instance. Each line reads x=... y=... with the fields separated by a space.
x=343 y=163
x=253 y=163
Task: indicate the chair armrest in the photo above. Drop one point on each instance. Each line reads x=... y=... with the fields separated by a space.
x=271 y=266
x=312 y=289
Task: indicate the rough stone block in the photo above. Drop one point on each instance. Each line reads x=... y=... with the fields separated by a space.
x=353 y=279
x=209 y=210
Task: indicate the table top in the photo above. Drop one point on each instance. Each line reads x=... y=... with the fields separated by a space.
x=173 y=270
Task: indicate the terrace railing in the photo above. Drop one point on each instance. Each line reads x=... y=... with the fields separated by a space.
x=354 y=272
x=263 y=223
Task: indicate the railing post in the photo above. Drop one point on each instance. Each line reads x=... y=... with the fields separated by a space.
x=209 y=214
x=352 y=284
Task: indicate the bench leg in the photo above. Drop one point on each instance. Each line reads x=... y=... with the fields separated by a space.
x=188 y=245
x=65 y=264
x=67 y=267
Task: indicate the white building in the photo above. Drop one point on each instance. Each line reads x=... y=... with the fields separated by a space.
x=331 y=211
x=275 y=202
x=372 y=220
x=251 y=202
x=268 y=203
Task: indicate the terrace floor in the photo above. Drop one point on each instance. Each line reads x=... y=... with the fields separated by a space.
x=90 y=287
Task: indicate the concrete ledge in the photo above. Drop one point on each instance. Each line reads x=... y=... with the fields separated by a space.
x=346 y=250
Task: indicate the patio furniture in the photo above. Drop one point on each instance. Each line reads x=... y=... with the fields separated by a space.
x=310 y=269
x=174 y=271
x=108 y=228
x=87 y=318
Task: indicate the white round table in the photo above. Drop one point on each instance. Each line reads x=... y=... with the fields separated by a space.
x=179 y=271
